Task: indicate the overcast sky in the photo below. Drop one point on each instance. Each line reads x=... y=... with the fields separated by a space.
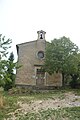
x=21 y=19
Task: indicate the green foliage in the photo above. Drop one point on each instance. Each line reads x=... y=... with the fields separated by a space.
x=62 y=55
x=58 y=53
x=74 y=63
x=10 y=76
x=74 y=70
x=7 y=76
x=4 y=46
x=2 y=71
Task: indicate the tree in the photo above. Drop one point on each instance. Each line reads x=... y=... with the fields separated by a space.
x=2 y=71
x=10 y=76
x=58 y=54
x=75 y=70
x=4 y=46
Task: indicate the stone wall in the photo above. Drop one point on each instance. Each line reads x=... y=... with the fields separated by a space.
x=54 y=79
x=27 y=57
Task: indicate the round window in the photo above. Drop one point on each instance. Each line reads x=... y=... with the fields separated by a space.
x=40 y=54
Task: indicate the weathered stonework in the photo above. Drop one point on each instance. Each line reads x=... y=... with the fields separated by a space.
x=29 y=73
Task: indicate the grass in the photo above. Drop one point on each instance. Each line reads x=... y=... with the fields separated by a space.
x=1 y=101
x=11 y=105
x=40 y=96
x=51 y=114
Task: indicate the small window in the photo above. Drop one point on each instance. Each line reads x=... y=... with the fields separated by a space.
x=40 y=54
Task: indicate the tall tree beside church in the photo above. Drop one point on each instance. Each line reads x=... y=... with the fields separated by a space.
x=10 y=76
x=58 y=54
x=4 y=46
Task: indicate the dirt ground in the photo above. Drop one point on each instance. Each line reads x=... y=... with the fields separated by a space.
x=70 y=100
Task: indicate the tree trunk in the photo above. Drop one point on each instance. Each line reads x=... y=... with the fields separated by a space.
x=63 y=82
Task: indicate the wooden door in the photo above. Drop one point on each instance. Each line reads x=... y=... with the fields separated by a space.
x=40 y=74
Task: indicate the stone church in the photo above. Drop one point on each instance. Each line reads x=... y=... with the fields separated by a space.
x=31 y=57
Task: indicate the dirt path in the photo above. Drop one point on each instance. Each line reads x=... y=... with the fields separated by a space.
x=70 y=100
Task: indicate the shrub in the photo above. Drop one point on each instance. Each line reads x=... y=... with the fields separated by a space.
x=20 y=90
x=75 y=83
x=1 y=100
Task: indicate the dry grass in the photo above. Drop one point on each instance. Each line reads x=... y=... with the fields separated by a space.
x=1 y=101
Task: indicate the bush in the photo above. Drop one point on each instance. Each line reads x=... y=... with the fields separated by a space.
x=20 y=90
x=75 y=83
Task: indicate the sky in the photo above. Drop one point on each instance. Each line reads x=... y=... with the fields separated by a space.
x=21 y=19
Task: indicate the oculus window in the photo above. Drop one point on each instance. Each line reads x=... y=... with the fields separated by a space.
x=40 y=54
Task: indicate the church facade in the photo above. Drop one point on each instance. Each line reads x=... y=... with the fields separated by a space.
x=31 y=56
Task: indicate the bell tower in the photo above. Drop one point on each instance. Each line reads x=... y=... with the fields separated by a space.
x=41 y=35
